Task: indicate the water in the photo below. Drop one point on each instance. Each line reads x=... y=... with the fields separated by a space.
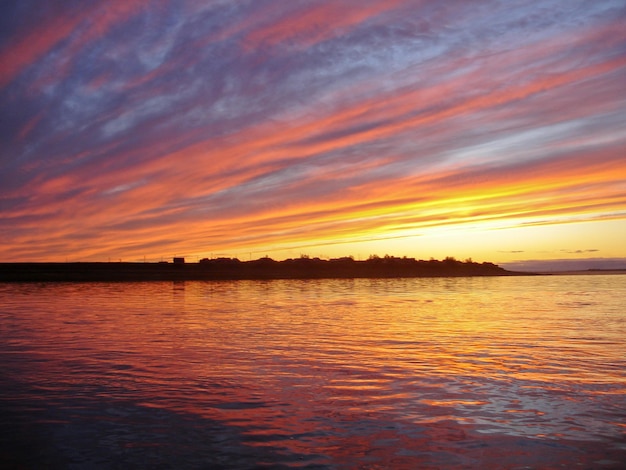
x=505 y=372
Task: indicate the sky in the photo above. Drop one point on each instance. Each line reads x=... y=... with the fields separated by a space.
x=145 y=129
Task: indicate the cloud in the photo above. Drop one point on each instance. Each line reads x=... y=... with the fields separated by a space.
x=202 y=126
x=310 y=23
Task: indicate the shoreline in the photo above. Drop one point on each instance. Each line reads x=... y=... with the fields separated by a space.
x=229 y=269
x=582 y=272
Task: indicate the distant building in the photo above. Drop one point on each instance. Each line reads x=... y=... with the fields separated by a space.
x=179 y=260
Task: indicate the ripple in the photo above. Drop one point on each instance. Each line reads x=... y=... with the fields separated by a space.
x=328 y=374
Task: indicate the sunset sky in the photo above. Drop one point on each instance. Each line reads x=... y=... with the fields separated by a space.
x=139 y=129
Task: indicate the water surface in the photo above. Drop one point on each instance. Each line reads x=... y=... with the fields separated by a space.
x=502 y=372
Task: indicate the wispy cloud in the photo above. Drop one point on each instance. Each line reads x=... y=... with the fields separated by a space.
x=211 y=126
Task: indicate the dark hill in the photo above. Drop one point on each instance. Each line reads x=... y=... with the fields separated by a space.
x=232 y=269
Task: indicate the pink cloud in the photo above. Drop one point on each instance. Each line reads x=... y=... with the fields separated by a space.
x=317 y=22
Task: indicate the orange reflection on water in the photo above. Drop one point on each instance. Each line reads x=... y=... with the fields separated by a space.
x=383 y=372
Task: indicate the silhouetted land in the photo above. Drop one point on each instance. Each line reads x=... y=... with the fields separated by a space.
x=233 y=269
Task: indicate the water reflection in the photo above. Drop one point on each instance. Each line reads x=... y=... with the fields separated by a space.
x=402 y=373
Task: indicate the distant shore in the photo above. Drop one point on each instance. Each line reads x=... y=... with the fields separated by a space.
x=234 y=269
x=583 y=272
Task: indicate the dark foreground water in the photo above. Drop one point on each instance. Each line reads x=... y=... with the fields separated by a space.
x=505 y=372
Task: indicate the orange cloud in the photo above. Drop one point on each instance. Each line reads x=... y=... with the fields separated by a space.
x=539 y=193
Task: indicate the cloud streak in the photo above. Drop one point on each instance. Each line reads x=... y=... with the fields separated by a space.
x=150 y=127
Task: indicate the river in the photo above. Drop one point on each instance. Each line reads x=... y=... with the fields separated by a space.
x=485 y=372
